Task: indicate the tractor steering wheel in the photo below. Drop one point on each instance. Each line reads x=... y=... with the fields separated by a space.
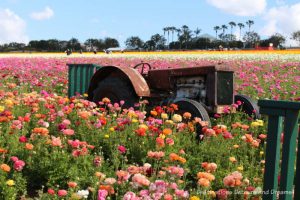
x=143 y=64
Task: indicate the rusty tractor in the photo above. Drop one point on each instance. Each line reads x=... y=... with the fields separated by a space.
x=202 y=90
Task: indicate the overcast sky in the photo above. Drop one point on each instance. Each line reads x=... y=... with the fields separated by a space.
x=24 y=20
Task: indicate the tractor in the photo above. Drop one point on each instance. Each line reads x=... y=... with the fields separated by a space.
x=202 y=90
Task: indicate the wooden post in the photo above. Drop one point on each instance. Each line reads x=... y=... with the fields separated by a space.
x=276 y=110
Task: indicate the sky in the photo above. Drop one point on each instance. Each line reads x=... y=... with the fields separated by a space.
x=25 y=20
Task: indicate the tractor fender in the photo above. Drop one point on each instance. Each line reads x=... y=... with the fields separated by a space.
x=138 y=82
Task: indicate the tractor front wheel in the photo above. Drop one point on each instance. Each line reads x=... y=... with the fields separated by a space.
x=116 y=90
x=196 y=110
x=248 y=106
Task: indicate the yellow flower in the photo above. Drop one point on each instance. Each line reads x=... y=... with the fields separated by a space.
x=134 y=120
x=169 y=122
x=257 y=123
x=261 y=153
x=232 y=159
x=85 y=95
x=176 y=118
x=162 y=136
x=194 y=198
x=236 y=146
x=10 y=182
x=2 y=108
x=164 y=116
x=112 y=129
x=240 y=168
x=211 y=194
x=144 y=126
x=106 y=136
x=9 y=102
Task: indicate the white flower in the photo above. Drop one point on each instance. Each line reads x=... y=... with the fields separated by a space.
x=83 y=193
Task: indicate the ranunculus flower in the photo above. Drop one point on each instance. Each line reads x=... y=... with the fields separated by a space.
x=18 y=165
x=62 y=193
x=22 y=139
x=122 y=149
x=14 y=158
x=5 y=167
x=102 y=194
x=72 y=184
x=51 y=191
x=68 y=132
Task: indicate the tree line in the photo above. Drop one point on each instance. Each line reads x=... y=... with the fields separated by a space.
x=171 y=38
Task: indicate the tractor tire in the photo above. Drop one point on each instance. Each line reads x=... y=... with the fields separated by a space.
x=248 y=105
x=193 y=107
x=197 y=110
x=116 y=90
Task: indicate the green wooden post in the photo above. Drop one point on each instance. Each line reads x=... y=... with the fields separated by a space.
x=272 y=157
x=290 y=111
x=297 y=179
x=79 y=77
x=288 y=154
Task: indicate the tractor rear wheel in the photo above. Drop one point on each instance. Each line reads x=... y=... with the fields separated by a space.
x=248 y=105
x=115 y=89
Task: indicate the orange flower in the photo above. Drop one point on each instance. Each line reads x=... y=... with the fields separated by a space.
x=187 y=115
x=205 y=175
x=72 y=184
x=203 y=182
x=28 y=146
x=108 y=188
x=167 y=131
x=5 y=167
x=84 y=114
x=249 y=138
x=106 y=100
x=3 y=150
x=41 y=131
x=175 y=157
x=153 y=113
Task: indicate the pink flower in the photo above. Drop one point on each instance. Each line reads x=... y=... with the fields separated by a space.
x=51 y=191
x=66 y=122
x=18 y=165
x=129 y=196
x=74 y=143
x=62 y=193
x=14 y=158
x=227 y=135
x=222 y=194
x=122 y=149
x=170 y=141
x=22 y=139
x=140 y=180
x=110 y=181
x=102 y=194
x=68 y=132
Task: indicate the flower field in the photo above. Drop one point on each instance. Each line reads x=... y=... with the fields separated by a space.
x=54 y=147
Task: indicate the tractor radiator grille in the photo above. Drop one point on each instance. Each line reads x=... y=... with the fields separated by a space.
x=224 y=88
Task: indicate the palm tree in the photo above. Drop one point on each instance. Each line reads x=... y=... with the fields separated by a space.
x=165 y=30
x=217 y=28
x=232 y=24
x=224 y=27
x=249 y=23
x=178 y=30
x=197 y=31
x=241 y=25
x=172 y=29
